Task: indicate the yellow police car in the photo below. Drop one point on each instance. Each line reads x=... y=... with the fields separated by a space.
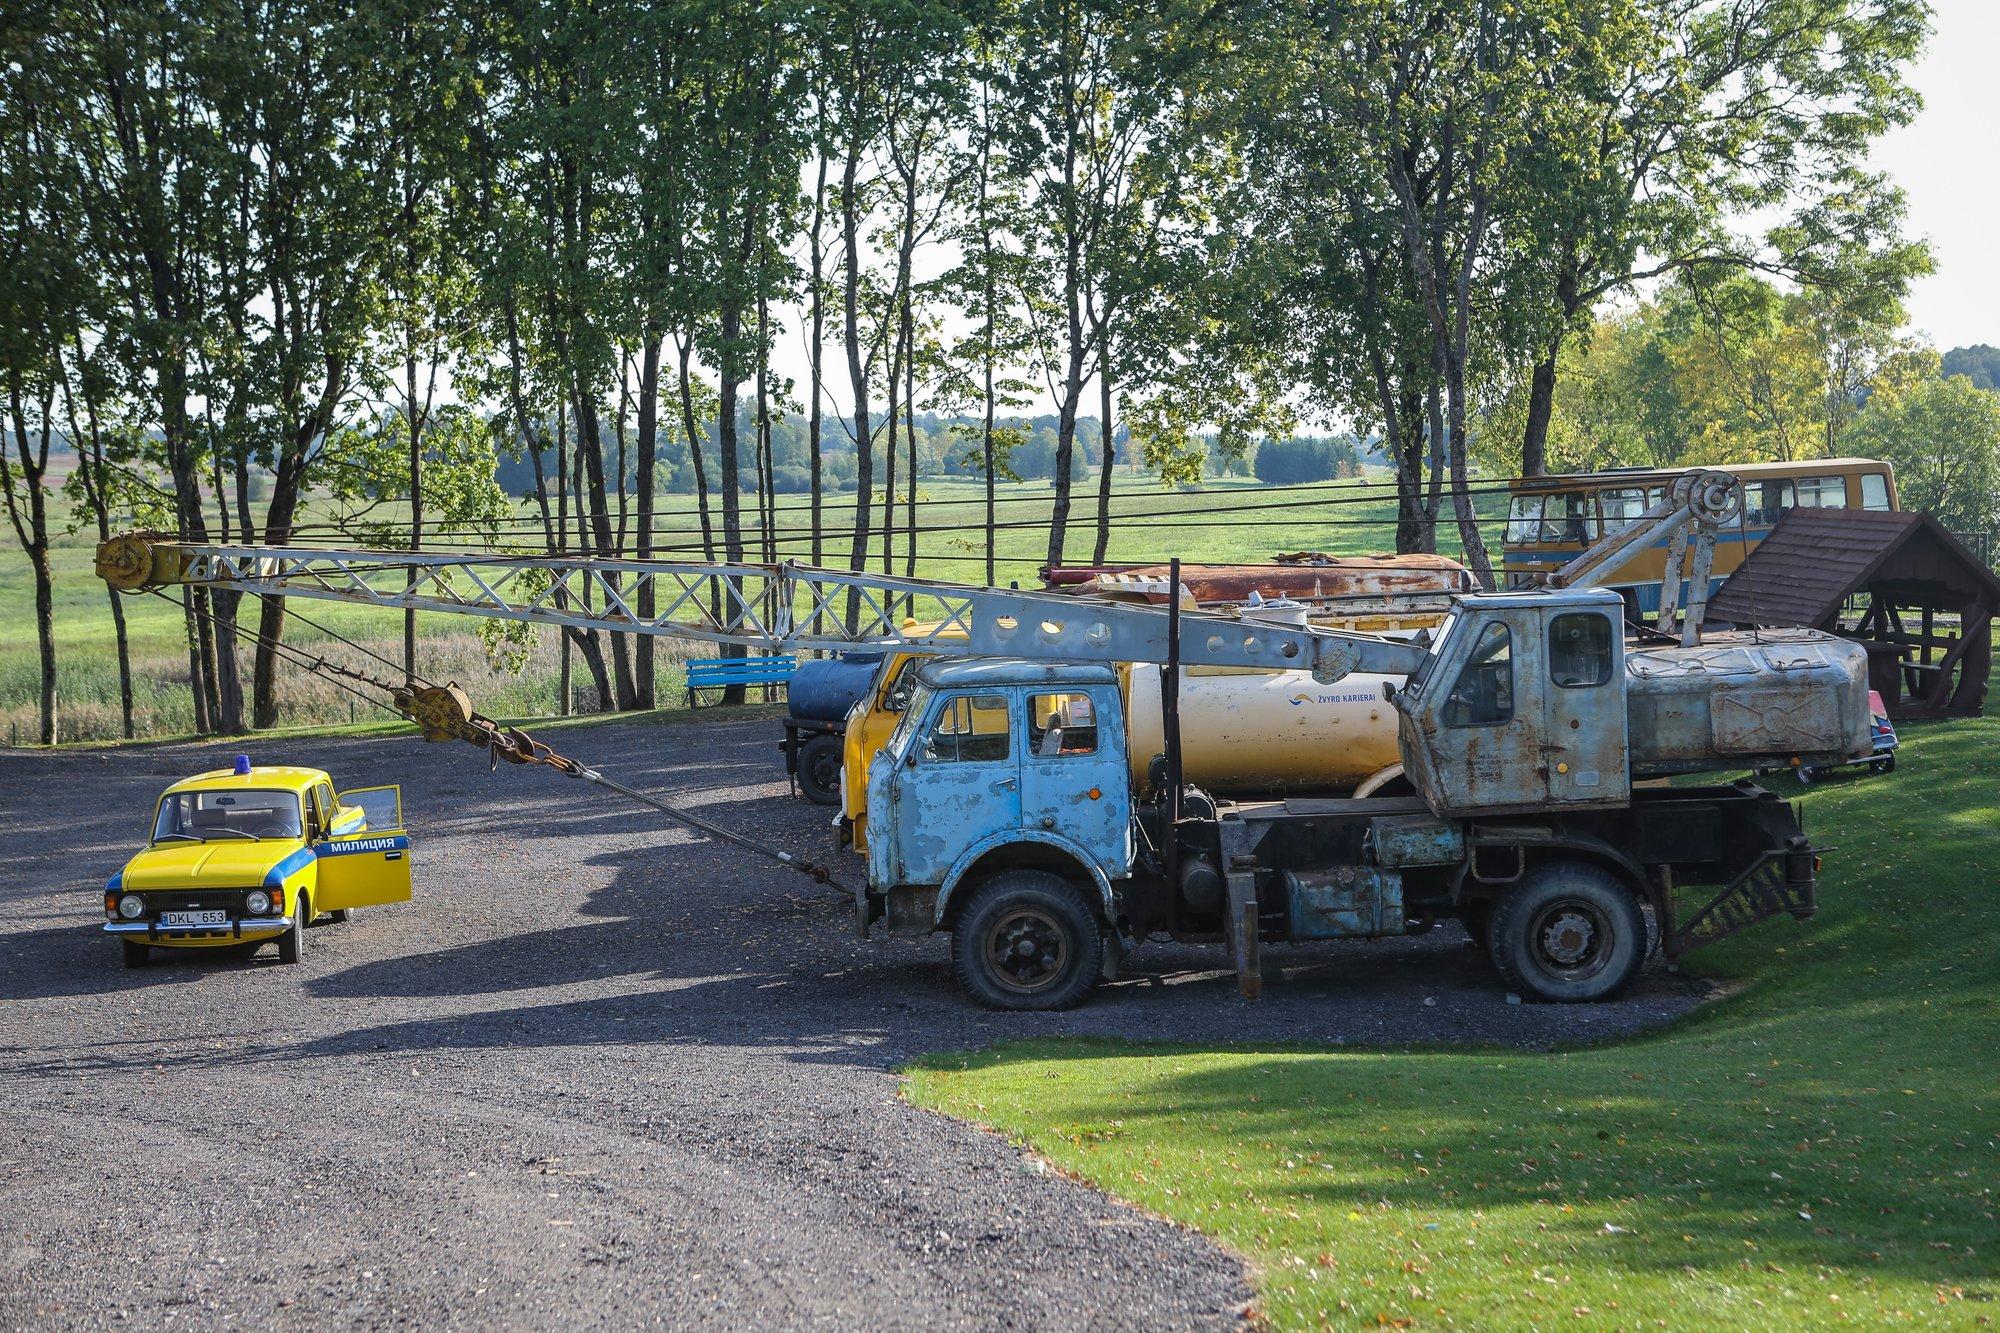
x=247 y=854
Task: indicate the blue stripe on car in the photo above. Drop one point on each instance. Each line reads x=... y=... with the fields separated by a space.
x=285 y=869
x=115 y=883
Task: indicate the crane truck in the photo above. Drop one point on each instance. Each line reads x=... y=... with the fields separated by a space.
x=1004 y=812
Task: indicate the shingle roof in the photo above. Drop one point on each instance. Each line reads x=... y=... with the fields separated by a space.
x=1815 y=558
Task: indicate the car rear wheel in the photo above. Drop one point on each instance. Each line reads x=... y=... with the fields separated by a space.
x=819 y=770
x=136 y=952
x=1569 y=932
x=292 y=943
x=1027 y=940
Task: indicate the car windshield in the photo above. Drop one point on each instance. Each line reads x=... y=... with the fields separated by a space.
x=199 y=816
x=1422 y=674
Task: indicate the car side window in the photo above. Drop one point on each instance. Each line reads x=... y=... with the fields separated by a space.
x=971 y=728
x=322 y=808
x=1484 y=694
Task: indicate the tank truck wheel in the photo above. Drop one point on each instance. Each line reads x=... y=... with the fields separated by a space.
x=819 y=770
x=1569 y=932
x=292 y=942
x=1027 y=940
x=136 y=952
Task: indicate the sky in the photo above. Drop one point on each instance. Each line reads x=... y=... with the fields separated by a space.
x=1945 y=161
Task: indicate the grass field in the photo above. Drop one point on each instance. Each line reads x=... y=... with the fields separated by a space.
x=1820 y=1148
x=1150 y=523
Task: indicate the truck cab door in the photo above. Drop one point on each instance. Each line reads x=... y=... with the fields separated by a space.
x=1074 y=778
x=367 y=863
x=959 y=780
x=1586 y=758
x=1476 y=731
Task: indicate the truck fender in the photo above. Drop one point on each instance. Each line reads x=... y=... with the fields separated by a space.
x=1559 y=840
x=993 y=841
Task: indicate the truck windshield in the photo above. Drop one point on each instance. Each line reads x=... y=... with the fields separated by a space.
x=199 y=816
x=918 y=703
x=1415 y=687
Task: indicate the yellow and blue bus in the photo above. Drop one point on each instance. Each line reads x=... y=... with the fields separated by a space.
x=1552 y=519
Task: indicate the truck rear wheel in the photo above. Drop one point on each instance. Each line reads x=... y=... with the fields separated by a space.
x=1569 y=932
x=819 y=770
x=1027 y=940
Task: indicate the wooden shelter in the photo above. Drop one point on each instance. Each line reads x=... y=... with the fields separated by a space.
x=1911 y=592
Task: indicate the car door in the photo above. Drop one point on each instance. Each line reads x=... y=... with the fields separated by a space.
x=960 y=782
x=1073 y=779
x=369 y=864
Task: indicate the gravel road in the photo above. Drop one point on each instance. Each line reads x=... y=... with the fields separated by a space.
x=597 y=1072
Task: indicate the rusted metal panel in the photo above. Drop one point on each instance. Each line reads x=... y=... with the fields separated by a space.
x=1305 y=575
x=1346 y=902
x=1417 y=840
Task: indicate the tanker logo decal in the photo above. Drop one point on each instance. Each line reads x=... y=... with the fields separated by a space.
x=1298 y=699
x=1350 y=698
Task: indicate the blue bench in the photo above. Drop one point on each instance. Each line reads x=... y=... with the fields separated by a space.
x=719 y=673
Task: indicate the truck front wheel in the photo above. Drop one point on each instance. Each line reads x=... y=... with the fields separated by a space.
x=1027 y=940
x=819 y=770
x=1569 y=932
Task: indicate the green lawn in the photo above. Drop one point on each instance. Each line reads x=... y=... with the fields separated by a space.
x=1150 y=523
x=1818 y=1148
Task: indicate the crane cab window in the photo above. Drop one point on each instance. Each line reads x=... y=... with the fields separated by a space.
x=970 y=728
x=1484 y=694
x=1579 y=650
x=1061 y=724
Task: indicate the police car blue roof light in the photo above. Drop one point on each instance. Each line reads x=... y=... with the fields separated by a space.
x=242 y=765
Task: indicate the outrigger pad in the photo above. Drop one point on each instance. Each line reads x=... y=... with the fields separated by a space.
x=1241 y=924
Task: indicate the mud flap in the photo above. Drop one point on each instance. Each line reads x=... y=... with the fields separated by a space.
x=1241 y=925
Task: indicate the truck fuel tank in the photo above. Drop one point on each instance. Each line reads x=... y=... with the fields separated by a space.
x=1745 y=697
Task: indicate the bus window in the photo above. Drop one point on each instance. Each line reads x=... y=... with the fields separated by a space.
x=1621 y=506
x=1764 y=501
x=1821 y=492
x=1568 y=518
x=1524 y=519
x=1874 y=491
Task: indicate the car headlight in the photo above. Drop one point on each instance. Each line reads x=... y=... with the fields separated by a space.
x=256 y=902
x=131 y=907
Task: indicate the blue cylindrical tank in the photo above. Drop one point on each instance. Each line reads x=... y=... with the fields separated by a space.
x=824 y=688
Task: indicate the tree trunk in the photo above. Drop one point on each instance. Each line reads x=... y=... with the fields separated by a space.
x=1107 y=449
x=649 y=429
x=731 y=480
x=416 y=508
x=816 y=356
x=45 y=634
x=1541 y=403
x=857 y=372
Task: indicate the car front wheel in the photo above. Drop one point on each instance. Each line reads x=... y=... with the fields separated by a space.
x=292 y=943
x=1027 y=940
